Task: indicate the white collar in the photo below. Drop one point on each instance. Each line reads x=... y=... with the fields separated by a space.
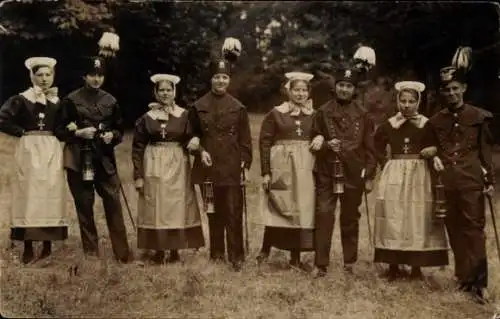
x=160 y=112
x=36 y=95
x=397 y=120
x=295 y=110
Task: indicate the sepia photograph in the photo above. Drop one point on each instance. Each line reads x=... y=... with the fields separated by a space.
x=249 y=159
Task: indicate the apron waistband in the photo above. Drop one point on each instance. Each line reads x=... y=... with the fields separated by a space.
x=165 y=144
x=44 y=133
x=406 y=156
x=292 y=142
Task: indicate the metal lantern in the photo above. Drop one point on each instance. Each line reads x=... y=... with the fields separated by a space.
x=439 y=199
x=88 y=167
x=209 y=197
x=338 y=174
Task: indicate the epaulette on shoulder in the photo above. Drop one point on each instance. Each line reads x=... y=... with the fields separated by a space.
x=487 y=115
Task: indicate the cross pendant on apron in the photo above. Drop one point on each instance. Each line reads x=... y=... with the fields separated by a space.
x=41 y=125
x=406 y=148
x=163 y=133
x=298 y=130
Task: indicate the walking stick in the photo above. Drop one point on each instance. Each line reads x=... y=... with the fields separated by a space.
x=126 y=203
x=245 y=211
x=371 y=240
x=493 y=213
x=495 y=229
x=367 y=209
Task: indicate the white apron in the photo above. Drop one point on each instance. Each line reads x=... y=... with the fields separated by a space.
x=38 y=184
x=404 y=209
x=290 y=202
x=169 y=200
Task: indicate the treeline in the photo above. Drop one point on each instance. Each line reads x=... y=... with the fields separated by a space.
x=411 y=39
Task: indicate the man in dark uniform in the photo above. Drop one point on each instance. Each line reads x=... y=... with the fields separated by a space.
x=347 y=132
x=460 y=135
x=221 y=122
x=90 y=123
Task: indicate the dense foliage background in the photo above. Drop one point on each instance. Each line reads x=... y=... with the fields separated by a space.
x=412 y=40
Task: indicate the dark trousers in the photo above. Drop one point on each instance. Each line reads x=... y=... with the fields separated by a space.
x=326 y=201
x=228 y=217
x=108 y=188
x=465 y=222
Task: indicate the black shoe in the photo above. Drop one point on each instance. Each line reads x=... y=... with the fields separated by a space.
x=47 y=250
x=349 y=269
x=237 y=266
x=295 y=262
x=158 y=257
x=464 y=287
x=173 y=257
x=416 y=273
x=304 y=267
x=262 y=257
x=392 y=273
x=218 y=259
x=479 y=295
x=320 y=272
x=127 y=259
x=91 y=253
x=28 y=256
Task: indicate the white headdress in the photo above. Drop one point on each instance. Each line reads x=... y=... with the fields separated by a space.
x=30 y=63
x=416 y=86
x=35 y=94
x=418 y=119
x=174 y=79
x=297 y=76
x=410 y=85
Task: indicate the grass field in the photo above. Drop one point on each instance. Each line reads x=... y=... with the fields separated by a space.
x=197 y=288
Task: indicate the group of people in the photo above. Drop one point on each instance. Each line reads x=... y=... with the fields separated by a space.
x=310 y=158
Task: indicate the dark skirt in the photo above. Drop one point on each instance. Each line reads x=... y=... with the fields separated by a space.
x=289 y=238
x=39 y=233
x=432 y=258
x=164 y=239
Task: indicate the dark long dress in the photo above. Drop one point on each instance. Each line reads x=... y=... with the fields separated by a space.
x=405 y=229
x=169 y=216
x=42 y=185
x=288 y=207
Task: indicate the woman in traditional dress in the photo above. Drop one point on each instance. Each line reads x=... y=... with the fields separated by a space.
x=287 y=165
x=406 y=231
x=38 y=188
x=169 y=216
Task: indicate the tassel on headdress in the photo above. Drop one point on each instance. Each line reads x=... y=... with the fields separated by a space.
x=109 y=44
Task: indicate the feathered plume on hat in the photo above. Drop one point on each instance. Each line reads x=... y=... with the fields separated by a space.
x=460 y=66
x=364 y=58
x=109 y=44
x=231 y=51
x=462 y=59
